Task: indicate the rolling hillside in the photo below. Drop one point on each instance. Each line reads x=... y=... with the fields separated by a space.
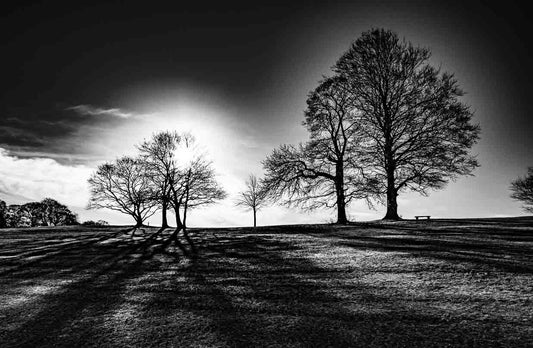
x=440 y=283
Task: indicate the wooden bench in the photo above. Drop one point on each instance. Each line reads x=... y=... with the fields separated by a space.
x=422 y=216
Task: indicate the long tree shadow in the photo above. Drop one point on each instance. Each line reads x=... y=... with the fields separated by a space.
x=209 y=292
x=241 y=288
x=260 y=290
x=498 y=247
x=91 y=282
x=29 y=254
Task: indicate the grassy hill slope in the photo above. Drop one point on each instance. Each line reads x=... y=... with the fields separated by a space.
x=414 y=284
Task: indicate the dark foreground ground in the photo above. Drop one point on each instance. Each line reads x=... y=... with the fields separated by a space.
x=440 y=283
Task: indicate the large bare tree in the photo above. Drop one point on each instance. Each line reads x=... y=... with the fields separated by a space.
x=418 y=132
x=123 y=186
x=522 y=190
x=328 y=170
x=253 y=197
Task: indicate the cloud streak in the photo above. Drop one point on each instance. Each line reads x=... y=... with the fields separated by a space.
x=89 y=110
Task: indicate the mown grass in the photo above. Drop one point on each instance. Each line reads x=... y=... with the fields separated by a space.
x=443 y=283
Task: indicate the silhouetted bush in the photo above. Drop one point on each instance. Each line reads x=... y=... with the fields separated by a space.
x=522 y=190
x=98 y=223
x=48 y=212
x=3 y=208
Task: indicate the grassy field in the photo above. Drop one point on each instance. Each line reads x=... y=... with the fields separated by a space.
x=442 y=283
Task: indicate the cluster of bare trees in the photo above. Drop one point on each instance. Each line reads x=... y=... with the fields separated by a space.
x=168 y=173
x=385 y=122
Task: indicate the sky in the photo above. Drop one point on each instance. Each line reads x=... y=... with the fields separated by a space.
x=84 y=82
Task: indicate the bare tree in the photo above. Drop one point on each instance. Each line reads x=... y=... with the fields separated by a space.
x=123 y=186
x=195 y=186
x=418 y=132
x=328 y=170
x=522 y=190
x=160 y=154
x=254 y=197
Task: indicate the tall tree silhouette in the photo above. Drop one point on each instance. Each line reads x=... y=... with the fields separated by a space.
x=418 y=132
x=123 y=186
x=326 y=171
x=522 y=190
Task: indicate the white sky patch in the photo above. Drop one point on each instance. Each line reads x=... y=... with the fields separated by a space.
x=89 y=110
x=38 y=178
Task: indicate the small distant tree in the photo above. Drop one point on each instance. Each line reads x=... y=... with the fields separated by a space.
x=48 y=212
x=17 y=217
x=35 y=212
x=56 y=214
x=253 y=197
x=124 y=186
x=522 y=190
x=11 y=216
x=98 y=223
x=3 y=211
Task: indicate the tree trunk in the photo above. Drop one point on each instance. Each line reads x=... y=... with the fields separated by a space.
x=339 y=188
x=185 y=204
x=341 y=210
x=392 y=194
x=392 y=206
x=164 y=221
x=390 y=168
x=185 y=216
x=138 y=221
x=255 y=218
x=179 y=224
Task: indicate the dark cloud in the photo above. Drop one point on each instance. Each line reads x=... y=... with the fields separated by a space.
x=69 y=51
x=51 y=124
x=78 y=64
x=19 y=137
x=54 y=132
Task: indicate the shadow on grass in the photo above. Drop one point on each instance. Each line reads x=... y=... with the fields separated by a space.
x=260 y=290
x=494 y=243
x=91 y=277
x=236 y=288
x=23 y=254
